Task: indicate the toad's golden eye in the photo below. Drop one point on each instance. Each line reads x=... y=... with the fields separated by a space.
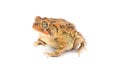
x=44 y=25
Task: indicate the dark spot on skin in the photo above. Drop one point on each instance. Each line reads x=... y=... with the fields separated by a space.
x=49 y=31
x=64 y=32
x=70 y=26
x=56 y=28
x=62 y=26
x=56 y=39
x=52 y=21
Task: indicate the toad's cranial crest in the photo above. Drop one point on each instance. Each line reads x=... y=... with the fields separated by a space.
x=59 y=34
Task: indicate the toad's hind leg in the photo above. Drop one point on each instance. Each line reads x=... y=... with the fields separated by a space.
x=81 y=47
x=79 y=41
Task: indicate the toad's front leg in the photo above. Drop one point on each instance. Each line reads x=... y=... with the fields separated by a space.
x=39 y=42
x=59 y=50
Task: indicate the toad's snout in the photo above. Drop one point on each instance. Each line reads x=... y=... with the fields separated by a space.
x=35 y=24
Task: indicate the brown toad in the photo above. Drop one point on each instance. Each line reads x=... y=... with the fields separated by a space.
x=59 y=34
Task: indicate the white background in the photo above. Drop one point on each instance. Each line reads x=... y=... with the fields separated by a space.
x=97 y=20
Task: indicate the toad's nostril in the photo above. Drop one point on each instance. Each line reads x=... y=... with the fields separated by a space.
x=36 y=23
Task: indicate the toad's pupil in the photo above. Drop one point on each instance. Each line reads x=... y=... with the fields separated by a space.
x=44 y=24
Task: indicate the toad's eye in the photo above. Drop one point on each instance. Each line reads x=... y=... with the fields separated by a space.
x=44 y=24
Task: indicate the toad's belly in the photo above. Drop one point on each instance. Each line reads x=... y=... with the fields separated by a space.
x=49 y=41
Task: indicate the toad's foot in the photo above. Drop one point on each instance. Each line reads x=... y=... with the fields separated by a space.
x=55 y=53
x=39 y=42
